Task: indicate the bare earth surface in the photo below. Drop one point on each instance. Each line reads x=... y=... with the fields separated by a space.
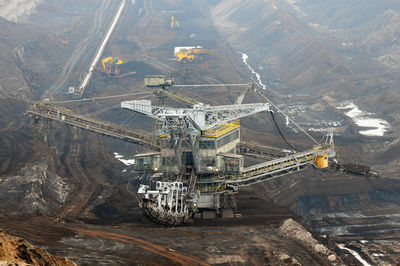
x=62 y=189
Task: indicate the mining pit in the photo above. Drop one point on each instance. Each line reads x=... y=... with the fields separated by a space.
x=62 y=188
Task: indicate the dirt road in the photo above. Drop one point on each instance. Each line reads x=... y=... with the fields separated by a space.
x=171 y=255
x=81 y=48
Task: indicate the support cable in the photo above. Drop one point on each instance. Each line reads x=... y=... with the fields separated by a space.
x=129 y=119
x=97 y=112
x=280 y=132
x=104 y=97
x=212 y=85
x=277 y=108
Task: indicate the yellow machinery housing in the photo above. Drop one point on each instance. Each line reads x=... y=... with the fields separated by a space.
x=221 y=129
x=321 y=161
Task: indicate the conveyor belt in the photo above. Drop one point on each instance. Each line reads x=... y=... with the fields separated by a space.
x=265 y=171
x=251 y=175
x=278 y=167
x=259 y=151
x=48 y=110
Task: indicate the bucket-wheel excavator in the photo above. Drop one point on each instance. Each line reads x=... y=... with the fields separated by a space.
x=196 y=168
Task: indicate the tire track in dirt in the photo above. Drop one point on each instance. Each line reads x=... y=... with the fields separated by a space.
x=87 y=191
x=173 y=256
x=87 y=187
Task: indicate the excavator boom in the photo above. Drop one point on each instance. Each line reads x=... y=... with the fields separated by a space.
x=105 y=61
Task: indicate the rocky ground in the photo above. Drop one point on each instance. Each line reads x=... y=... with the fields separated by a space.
x=16 y=251
x=62 y=188
x=271 y=238
x=17 y=10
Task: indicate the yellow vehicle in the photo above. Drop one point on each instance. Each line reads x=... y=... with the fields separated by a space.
x=118 y=61
x=107 y=60
x=190 y=54
x=174 y=23
x=184 y=56
x=111 y=67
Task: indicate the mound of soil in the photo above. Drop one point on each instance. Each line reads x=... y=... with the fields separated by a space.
x=16 y=251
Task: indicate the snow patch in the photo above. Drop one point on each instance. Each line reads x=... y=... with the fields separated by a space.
x=376 y=126
x=355 y=254
x=314 y=25
x=125 y=161
x=244 y=58
x=128 y=162
x=117 y=155
x=316 y=129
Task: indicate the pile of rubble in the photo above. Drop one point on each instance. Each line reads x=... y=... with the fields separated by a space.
x=16 y=251
x=293 y=230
